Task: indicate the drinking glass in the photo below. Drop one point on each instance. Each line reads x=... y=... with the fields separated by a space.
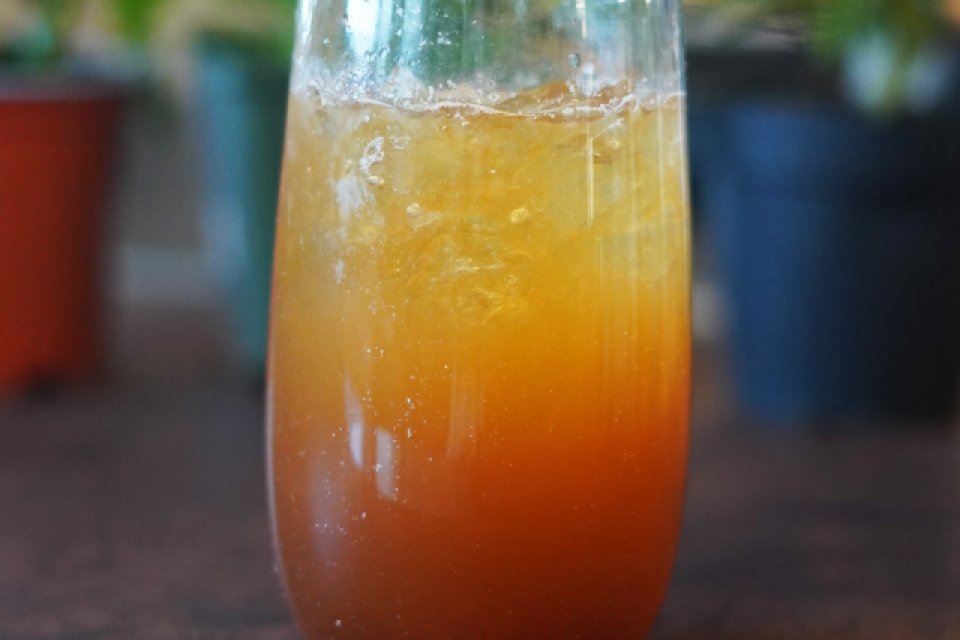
x=480 y=355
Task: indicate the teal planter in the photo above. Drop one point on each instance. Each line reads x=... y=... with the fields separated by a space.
x=242 y=108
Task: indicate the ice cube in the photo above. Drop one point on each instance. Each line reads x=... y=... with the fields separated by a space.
x=372 y=154
x=612 y=95
x=548 y=96
x=520 y=215
x=419 y=218
x=351 y=196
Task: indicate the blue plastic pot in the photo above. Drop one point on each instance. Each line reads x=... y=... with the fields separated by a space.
x=840 y=246
x=242 y=107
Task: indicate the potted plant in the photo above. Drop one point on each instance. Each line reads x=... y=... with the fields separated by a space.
x=59 y=115
x=240 y=57
x=837 y=220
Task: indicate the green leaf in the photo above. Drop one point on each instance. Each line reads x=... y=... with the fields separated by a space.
x=136 y=18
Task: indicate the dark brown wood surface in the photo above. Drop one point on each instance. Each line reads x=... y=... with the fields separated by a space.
x=143 y=515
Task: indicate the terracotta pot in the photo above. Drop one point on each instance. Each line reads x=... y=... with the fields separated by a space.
x=56 y=149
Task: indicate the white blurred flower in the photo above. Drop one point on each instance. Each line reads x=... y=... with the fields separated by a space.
x=881 y=78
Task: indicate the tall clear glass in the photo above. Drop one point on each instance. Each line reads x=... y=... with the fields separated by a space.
x=480 y=354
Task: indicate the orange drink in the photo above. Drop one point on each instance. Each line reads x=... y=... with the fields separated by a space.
x=480 y=365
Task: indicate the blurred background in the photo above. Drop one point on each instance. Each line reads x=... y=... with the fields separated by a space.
x=140 y=145
x=170 y=116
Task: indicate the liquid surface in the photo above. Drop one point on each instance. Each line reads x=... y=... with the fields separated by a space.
x=480 y=367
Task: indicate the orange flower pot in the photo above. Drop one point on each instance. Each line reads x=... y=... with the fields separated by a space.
x=56 y=149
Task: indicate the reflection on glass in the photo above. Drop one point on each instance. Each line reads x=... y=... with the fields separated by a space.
x=386 y=469
x=363 y=18
x=354 y=419
x=466 y=403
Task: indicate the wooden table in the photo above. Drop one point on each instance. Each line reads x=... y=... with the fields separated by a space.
x=133 y=516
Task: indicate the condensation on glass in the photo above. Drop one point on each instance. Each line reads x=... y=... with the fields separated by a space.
x=480 y=353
